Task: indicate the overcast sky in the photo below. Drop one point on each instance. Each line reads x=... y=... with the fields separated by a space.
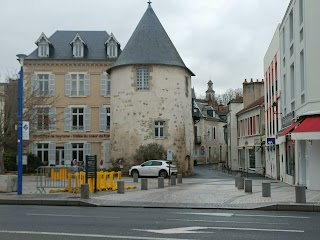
x=224 y=40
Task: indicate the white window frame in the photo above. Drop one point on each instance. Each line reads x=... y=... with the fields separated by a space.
x=44 y=84
x=42 y=150
x=108 y=118
x=78 y=81
x=112 y=49
x=158 y=126
x=43 y=48
x=77 y=115
x=142 y=79
x=78 y=48
x=77 y=151
x=42 y=127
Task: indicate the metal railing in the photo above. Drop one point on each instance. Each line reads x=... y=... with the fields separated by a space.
x=70 y=179
x=57 y=177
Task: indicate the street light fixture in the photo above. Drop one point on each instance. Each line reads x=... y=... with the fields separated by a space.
x=21 y=58
x=274 y=105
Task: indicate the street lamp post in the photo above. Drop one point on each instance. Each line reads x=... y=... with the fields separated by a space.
x=21 y=58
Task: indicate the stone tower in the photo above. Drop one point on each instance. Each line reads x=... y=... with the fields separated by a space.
x=151 y=96
x=210 y=92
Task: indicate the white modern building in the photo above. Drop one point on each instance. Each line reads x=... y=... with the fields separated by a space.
x=300 y=71
x=272 y=95
x=234 y=106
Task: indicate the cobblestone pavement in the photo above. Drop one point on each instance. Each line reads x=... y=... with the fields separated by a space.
x=214 y=189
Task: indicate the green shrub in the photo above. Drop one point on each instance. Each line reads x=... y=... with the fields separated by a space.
x=33 y=163
x=148 y=152
x=10 y=161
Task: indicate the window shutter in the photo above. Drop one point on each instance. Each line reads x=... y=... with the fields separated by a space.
x=107 y=154
x=51 y=85
x=103 y=119
x=67 y=119
x=103 y=84
x=87 y=84
x=108 y=85
x=87 y=149
x=35 y=84
x=33 y=148
x=52 y=154
x=67 y=88
x=52 y=117
x=87 y=119
x=67 y=152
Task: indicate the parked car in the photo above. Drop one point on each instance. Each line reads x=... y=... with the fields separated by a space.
x=156 y=168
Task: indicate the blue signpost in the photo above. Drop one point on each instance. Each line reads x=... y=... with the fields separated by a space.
x=21 y=58
x=271 y=141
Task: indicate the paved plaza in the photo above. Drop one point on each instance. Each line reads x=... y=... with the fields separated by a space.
x=209 y=188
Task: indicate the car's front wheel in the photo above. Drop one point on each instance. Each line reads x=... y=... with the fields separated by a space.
x=163 y=173
x=134 y=172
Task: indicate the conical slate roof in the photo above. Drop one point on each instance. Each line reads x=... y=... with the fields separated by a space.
x=149 y=44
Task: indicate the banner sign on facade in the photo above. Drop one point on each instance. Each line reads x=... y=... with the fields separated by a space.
x=25 y=130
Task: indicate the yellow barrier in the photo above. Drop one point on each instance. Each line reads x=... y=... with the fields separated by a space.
x=59 y=173
x=105 y=181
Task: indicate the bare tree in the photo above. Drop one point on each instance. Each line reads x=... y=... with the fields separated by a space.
x=229 y=95
x=9 y=113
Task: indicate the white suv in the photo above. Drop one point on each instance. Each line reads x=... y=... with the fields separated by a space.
x=156 y=168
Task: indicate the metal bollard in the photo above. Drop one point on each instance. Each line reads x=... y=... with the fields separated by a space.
x=120 y=186
x=266 y=189
x=135 y=177
x=173 y=180
x=240 y=183
x=85 y=191
x=144 y=184
x=160 y=182
x=300 y=194
x=236 y=181
x=248 y=185
x=179 y=178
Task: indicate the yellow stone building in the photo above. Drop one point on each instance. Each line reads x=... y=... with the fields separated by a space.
x=70 y=95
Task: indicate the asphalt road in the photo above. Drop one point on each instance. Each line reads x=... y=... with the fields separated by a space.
x=51 y=223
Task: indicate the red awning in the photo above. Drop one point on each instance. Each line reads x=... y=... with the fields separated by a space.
x=290 y=128
x=310 y=124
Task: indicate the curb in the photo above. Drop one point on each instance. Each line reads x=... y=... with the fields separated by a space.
x=292 y=207
x=51 y=202
x=47 y=202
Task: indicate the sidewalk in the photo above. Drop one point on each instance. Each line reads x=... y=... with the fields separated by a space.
x=218 y=191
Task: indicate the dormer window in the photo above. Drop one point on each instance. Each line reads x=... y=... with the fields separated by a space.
x=77 y=46
x=78 y=49
x=43 y=46
x=112 y=46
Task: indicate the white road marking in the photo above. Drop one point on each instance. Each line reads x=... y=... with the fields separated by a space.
x=188 y=230
x=65 y=215
x=268 y=216
x=181 y=230
x=239 y=215
x=191 y=220
x=209 y=214
x=85 y=235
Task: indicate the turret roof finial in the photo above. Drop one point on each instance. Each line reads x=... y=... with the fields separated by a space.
x=149 y=3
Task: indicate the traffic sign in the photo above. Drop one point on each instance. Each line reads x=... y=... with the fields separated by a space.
x=202 y=147
x=271 y=141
